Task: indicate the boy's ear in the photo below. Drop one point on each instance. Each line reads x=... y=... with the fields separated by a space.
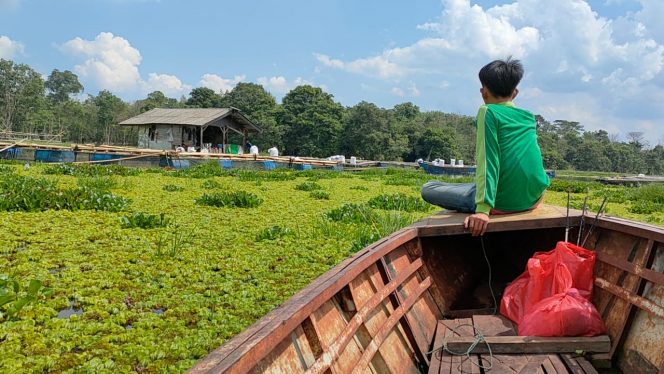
x=515 y=93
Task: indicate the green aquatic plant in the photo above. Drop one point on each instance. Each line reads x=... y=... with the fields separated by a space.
x=308 y=186
x=237 y=199
x=172 y=188
x=14 y=296
x=400 y=202
x=211 y=184
x=144 y=221
x=272 y=233
x=320 y=195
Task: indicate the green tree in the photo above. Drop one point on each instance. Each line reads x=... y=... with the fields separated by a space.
x=259 y=106
x=370 y=133
x=203 y=97
x=437 y=143
x=156 y=99
x=21 y=89
x=109 y=111
x=312 y=122
x=61 y=85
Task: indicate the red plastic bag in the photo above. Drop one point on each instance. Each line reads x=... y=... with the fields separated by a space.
x=564 y=314
x=547 y=274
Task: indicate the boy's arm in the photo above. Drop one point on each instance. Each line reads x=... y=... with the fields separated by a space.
x=487 y=159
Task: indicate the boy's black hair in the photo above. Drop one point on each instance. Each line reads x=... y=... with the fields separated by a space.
x=501 y=76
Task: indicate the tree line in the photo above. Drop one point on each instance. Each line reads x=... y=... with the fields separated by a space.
x=308 y=122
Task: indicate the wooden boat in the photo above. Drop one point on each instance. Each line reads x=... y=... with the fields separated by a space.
x=430 y=168
x=390 y=305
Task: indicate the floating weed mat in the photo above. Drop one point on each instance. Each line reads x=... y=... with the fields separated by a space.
x=87 y=170
x=400 y=202
x=98 y=183
x=276 y=175
x=272 y=233
x=561 y=185
x=360 y=188
x=7 y=169
x=172 y=188
x=314 y=175
x=213 y=169
x=351 y=213
x=21 y=193
x=320 y=195
x=308 y=186
x=144 y=221
x=211 y=184
x=238 y=199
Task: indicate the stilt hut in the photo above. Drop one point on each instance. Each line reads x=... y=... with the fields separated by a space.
x=208 y=128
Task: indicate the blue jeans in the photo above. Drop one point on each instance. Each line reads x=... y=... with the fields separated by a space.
x=453 y=196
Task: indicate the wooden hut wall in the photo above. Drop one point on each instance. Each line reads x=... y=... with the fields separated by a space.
x=159 y=136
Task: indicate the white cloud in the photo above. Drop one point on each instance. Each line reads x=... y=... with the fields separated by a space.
x=280 y=85
x=219 y=84
x=170 y=85
x=613 y=66
x=112 y=63
x=10 y=48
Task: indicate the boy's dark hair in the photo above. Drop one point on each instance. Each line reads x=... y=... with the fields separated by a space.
x=501 y=76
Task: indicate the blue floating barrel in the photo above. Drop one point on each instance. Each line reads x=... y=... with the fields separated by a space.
x=269 y=165
x=226 y=164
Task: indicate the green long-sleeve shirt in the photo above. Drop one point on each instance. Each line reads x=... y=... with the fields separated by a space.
x=510 y=175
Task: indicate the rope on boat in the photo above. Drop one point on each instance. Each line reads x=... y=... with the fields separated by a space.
x=479 y=337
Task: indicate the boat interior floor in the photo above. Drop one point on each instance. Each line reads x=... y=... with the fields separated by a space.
x=501 y=333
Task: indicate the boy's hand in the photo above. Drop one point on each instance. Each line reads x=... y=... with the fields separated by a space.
x=476 y=223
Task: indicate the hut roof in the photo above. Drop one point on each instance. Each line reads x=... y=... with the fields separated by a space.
x=190 y=117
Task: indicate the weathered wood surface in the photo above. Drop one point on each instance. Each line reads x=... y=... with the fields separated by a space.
x=448 y=223
x=532 y=344
x=498 y=330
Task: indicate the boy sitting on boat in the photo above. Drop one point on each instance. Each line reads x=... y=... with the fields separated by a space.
x=510 y=175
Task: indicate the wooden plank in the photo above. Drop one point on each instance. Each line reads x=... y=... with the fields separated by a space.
x=412 y=330
x=548 y=366
x=291 y=355
x=415 y=251
x=399 y=312
x=329 y=324
x=437 y=354
x=494 y=325
x=645 y=273
x=420 y=317
x=332 y=353
x=545 y=216
x=470 y=364
x=558 y=364
x=643 y=303
x=396 y=353
x=497 y=325
x=571 y=364
x=533 y=344
x=641 y=230
x=586 y=366
x=632 y=283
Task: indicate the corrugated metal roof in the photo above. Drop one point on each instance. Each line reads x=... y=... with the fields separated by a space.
x=189 y=117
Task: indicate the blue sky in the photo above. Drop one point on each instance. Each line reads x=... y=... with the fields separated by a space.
x=597 y=62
